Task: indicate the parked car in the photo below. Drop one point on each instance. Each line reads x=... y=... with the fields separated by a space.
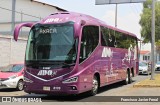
x=157 y=66
x=144 y=68
x=11 y=76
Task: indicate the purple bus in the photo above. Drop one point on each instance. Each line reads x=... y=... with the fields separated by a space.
x=71 y=53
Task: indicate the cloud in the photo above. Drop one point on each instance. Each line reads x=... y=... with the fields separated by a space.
x=128 y=22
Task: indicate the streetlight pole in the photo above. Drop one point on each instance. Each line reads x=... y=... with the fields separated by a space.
x=116 y=16
x=13 y=15
x=153 y=40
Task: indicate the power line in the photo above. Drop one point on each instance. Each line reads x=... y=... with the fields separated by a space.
x=135 y=6
x=134 y=10
x=20 y=12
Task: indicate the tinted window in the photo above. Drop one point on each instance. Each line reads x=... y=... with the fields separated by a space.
x=89 y=41
x=158 y=63
x=108 y=37
x=142 y=64
x=12 y=68
x=122 y=40
x=112 y=38
x=52 y=43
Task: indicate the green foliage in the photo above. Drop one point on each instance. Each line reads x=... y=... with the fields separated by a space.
x=158 y=46
x=145 y=21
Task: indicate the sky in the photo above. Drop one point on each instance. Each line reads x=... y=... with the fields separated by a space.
x=128 y=15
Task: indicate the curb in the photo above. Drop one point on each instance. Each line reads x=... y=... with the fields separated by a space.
x=137 y=85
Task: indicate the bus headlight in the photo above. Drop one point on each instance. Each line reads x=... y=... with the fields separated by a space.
x=71 y=80
x=27 y=80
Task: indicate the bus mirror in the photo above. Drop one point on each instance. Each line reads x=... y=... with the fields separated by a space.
x=18 y=27
x=77 y=27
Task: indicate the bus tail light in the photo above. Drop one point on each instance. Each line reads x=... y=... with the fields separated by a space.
x=71 y=80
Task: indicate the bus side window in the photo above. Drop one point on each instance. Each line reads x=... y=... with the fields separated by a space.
x=104 y=37
x=89 y=41
x=111 y=41
x=108 y=37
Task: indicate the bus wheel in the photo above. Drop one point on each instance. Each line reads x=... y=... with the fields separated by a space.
x=130 y=78
x=95 y=86
x=20 y=85
x=126 y=81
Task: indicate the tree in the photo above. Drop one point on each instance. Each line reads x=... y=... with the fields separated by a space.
x=145 y=23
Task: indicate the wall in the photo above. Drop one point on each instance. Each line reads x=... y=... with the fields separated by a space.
x=11 y=51
x=26 y=11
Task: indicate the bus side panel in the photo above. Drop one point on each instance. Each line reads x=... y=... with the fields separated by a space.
x=116 y=64
x=110 y=68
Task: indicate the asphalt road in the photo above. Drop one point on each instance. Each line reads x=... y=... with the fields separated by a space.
x=107 y=94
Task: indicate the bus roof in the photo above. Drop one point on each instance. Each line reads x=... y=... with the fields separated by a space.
x=63 y=17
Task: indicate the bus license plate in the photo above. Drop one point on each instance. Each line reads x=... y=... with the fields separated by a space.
x=46 y=88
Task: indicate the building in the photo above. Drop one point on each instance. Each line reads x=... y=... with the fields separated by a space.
x=26 y=11
x=23 y=11
x=145 y=56
x=145 y=53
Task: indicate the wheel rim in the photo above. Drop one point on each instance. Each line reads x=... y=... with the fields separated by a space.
x=131 y=78
x=127 y=79
x=95 y=85
x=20 y=85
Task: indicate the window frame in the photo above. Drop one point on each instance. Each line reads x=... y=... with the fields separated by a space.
x=93 y=49
x=117 y=34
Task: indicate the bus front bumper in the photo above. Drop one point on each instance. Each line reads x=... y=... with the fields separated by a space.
x=62 y=89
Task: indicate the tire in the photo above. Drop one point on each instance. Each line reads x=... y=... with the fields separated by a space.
x=126 y=81
x=20 y=85
x=95 y=86
x=130 y=77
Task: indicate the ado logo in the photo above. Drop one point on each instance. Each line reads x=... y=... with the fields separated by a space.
x=50 y=20
x=47 y=72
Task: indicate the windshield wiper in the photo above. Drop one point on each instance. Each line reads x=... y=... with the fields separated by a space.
x=68 y=65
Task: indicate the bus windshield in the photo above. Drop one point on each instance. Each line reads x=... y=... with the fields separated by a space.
x=52 y=43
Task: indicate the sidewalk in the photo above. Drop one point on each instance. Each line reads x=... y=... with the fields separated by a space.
x=149 y=83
